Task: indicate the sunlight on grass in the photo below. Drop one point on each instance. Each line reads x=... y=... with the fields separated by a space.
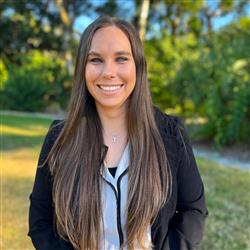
x=18 y=174
x=20 y=163
x=32 y=131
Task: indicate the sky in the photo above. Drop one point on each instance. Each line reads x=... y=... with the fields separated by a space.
x=222 y=21
x=83 y=21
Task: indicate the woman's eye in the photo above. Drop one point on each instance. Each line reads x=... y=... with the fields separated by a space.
x=95 y=60
x=121 y=59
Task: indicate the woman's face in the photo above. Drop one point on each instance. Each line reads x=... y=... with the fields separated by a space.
x=110 y=72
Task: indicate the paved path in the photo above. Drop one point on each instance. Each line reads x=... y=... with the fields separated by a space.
x=220 y=159
x=32 y=114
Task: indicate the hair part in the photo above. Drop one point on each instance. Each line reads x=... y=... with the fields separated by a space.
x=76 y=156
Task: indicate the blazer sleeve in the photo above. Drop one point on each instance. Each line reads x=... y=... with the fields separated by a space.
x=186 y=227
x=41 y=229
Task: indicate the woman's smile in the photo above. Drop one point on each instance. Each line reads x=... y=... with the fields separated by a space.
x=110 y=89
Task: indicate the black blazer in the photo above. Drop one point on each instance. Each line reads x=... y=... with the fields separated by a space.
x=179 y=224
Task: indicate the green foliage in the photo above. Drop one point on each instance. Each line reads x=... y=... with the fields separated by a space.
x=195 y=25
x=26 y=25
x=40 y=80
x=193 y=70
x=24 y=91
x=227 y=102
x=208 y=77
x=3 y=74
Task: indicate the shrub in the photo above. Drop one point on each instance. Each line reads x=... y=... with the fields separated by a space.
x=40 y=80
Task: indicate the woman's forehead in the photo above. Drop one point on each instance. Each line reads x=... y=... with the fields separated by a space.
x=110 y=39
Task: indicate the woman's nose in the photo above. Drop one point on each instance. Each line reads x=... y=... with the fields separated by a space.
x=109 y=70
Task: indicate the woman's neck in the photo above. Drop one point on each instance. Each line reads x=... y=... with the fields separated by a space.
x=114 y=134
x=114 y=125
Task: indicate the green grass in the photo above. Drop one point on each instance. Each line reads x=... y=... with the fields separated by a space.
x=22 y=132
x=21 y=139
x=227 y=195
x=227 y=190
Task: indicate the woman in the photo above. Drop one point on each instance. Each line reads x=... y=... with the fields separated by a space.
x=117 y=172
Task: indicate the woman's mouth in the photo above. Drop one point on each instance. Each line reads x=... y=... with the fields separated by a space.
x=110 y=88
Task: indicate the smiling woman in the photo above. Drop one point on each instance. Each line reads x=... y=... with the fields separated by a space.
x=117 y=173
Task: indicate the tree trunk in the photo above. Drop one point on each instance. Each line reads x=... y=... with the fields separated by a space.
x=68 y=23
x=143 y=18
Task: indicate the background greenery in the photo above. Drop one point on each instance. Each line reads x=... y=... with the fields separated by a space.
x=194 y=69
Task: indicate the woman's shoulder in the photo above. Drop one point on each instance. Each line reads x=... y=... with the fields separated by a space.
x=55 y=128
x=51 y=136
x=169 y=124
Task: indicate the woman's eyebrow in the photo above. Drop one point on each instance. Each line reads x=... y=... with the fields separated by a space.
x=120 y=52
x=93 y=53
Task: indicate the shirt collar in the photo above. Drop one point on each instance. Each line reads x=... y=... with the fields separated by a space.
x=122 y=165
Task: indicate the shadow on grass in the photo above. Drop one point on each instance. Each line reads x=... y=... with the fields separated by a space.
x=17 y=140
x=13 y=142
x=24 y=122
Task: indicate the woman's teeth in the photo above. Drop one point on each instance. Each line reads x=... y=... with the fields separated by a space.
x=110 y=88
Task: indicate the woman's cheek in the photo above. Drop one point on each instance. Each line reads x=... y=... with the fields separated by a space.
x=127 y=71
x=93 y=72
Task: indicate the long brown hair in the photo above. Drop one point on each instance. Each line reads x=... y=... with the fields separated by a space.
x=76 y=156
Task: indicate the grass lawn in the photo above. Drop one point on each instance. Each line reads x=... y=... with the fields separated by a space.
x=227 y=190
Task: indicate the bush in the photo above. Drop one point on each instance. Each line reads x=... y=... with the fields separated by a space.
x=40 y=80
x=25 y=90
x=227 y=101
